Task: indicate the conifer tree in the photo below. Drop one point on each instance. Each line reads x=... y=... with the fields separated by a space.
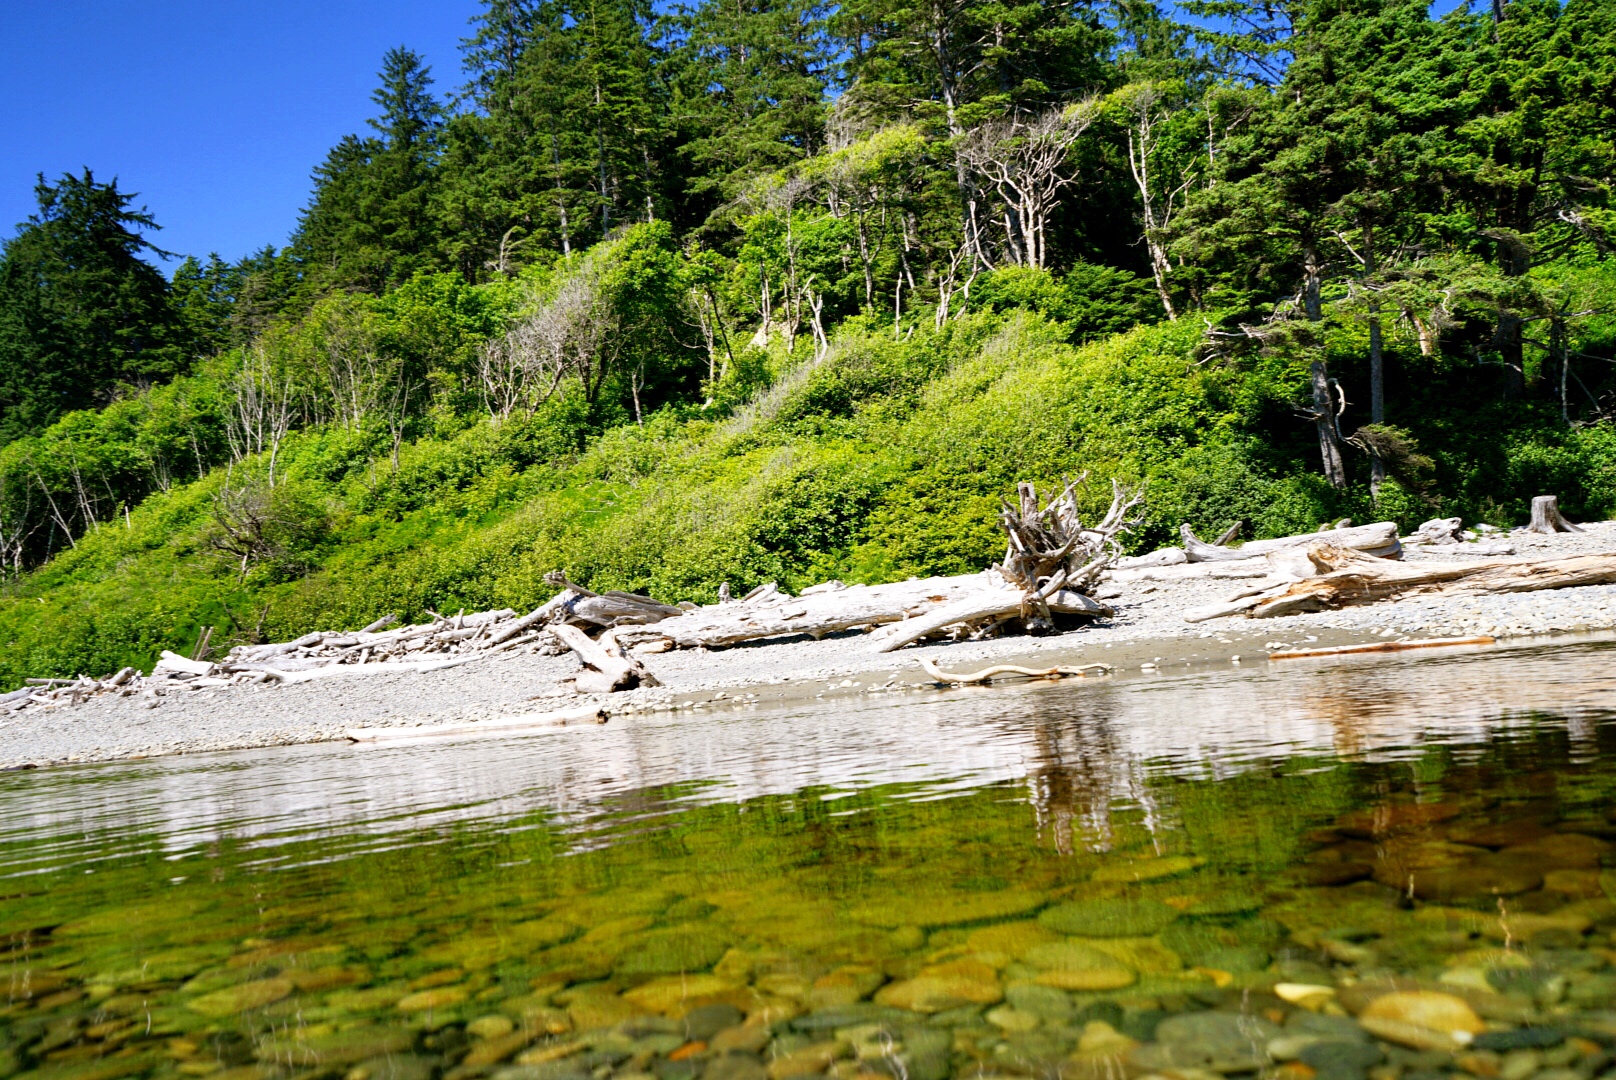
x=80 y=309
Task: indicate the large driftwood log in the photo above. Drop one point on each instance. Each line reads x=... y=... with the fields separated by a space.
x=1345 y=577
x=993 y=604
x=1377 y=539
x=606 y=666
x=1546 y=517
x=817 y=615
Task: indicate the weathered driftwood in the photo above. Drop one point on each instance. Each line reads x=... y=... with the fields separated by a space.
x=816 y=615
x=987 y=674
x=1383 y=646
x=1476 y=548
x=984 y=606
x=1345 y=577
x=506 y=725
x=1546 y=517
x=1169 y=556
x=1377 y=539
x=1439 y=531
x=606 y=666
x=1053 y=542
x=1233 y=571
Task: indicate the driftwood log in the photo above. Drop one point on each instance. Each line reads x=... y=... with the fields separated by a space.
x=1377 y=539
x=606 y=666
x=815 y=614
x=1341 y=577
x=988 y=606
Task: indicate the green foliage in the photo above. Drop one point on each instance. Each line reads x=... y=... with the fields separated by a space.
x=1094 y=301
x=80 y=311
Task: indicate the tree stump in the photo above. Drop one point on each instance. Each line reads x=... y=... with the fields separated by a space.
x=1546 y=517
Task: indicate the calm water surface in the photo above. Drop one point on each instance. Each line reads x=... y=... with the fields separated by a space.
x=1091 y=880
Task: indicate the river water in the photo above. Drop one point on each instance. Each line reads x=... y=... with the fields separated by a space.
x=1265 y=870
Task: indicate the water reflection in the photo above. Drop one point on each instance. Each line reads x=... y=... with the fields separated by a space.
x=1081 y=747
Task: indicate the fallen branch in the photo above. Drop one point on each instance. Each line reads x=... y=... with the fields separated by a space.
x=1383 y=646
x=986 y=674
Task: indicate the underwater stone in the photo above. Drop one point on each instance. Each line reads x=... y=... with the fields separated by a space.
x=734 y=1067
x=1147 y=869
x=670 y=952
x=1045 y=1001
x=1422 y=1019
x=705 y=1021
x=1073 y=966
x=1335 y=1059
x=1220 y=1041
x=1109 y=918
x=1521 y=1038
x=240 y=998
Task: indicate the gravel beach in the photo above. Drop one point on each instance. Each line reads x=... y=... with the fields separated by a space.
x=1148 y=634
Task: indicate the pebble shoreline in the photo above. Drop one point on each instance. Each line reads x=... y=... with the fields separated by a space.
x=1147 y=634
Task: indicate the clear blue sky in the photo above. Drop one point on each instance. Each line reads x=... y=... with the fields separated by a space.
x=214 y=112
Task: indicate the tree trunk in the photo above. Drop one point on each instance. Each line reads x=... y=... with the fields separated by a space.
x=1335 y=468
x=1546 y=517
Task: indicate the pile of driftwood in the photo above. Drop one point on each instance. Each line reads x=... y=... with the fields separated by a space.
x=1323 y=576
x=1052 y=567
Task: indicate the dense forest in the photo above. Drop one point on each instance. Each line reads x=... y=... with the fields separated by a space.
x=751 y=290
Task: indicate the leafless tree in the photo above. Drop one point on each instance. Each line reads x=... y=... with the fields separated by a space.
x=1023 y=159
x=571 y=334
x=1145 y=114
x=262 y=404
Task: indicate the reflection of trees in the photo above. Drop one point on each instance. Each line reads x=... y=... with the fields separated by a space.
x=1080 y=768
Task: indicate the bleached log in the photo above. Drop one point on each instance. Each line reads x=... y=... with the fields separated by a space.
x=1233 y=571
x=994 y=604
x=608 y=667
x=818 y=614
x=168 y=661
x=1546 y=517
x=540 y=614
x=609 y=610
x=1384 y=646
x=1352 y=577
x=1377 y=539
x=1439 y=531
x=380 y=624
x=1169 y=556
x=506 y=725
x=1477 y=548
x=330 y=671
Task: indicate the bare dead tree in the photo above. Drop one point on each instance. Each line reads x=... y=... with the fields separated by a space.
x=1024 y=159
x=262 y=405
x=571 y=334
x=1145 y=115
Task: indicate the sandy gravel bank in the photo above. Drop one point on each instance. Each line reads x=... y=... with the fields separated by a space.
x=1148 y=629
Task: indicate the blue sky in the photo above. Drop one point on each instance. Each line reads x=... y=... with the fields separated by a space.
x=214 y=112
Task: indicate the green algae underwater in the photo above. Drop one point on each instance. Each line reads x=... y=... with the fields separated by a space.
x=1437 y=908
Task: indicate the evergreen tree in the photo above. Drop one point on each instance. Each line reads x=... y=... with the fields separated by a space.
x=368 y=225
x=80 y=310
x=749 y=79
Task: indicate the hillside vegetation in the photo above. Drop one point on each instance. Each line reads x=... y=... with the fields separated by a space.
x=775 y=294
